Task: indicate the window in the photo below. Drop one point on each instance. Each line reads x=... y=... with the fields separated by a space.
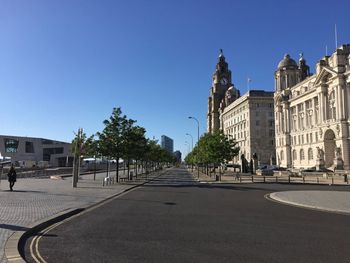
x=29 y=147
x=294 y=154
x=257 y=123
x=332 y=109
x=302 y=157
x=310 y=154
x=316 y=110
x=11 y=145
x=282 y=155
x=308 y=106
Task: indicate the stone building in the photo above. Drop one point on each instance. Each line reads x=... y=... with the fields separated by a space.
x=220 y=84
x=249 y=119
x=312 y=112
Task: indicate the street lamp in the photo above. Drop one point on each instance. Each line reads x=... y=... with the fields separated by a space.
x=193 y=118
x=191 y=138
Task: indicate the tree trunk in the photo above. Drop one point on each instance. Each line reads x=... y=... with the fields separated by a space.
x=117 y=171
x=129 y=169
x=95 y=170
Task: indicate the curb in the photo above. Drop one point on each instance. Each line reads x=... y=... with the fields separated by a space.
x=274 y=198
x=14 y=246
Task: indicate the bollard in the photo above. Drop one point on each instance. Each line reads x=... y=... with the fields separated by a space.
x=252 y=179
x=289 y=179
x=240 y=179
x=318 y=181
x=303 y=179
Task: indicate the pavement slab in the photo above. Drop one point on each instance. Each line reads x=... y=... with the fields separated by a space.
x=331 y=201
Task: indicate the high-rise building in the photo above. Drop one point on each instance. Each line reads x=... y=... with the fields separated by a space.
x=167 y=143
x=313 y=111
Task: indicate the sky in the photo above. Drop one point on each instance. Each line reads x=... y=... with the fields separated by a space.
x=66 y=64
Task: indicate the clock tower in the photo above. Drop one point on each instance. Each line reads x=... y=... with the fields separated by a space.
x=220 y=84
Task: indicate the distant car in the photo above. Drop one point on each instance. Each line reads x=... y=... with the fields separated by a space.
x=311 y=169
x=269 y=169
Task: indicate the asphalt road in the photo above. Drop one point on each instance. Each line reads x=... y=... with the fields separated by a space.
x=175 y=219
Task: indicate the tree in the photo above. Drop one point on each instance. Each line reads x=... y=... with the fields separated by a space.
x=92 y=149
x=112 y=136
x=134 y=143
x=214 y=148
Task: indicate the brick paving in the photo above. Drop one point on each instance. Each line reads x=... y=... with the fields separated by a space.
x=35 y=199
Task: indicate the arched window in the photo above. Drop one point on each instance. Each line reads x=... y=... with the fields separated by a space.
x=310 y=154
x=302 y=156
x=294 y=154
x=281 y=155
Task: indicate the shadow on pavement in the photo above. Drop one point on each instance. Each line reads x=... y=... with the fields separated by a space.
x=13 y=227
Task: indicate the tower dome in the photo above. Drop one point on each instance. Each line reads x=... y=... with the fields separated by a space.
x=287 y=62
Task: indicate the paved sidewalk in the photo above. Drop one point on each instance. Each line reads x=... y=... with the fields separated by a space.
x=332 y=201
x=35 y=199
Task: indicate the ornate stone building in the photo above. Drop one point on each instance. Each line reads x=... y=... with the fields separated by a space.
x=312 y=112
x=220 y=85
x=249 y=119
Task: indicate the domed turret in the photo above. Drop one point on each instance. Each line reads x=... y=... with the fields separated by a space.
x=287 y=73
x=287 y=63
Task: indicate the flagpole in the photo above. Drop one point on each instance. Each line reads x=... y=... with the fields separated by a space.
x=336 y=36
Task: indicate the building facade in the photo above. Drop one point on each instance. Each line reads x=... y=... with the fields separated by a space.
x=177 y=154
x=250 y=120
x=221 y=82
x=36 y=150
x=167 y=143
x=312 y=112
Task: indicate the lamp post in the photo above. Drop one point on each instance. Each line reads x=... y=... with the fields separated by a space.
x=187 y=143
x=191 y=148
x=193 y=118
x=191 y=139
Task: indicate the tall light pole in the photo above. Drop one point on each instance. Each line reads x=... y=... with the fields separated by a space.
x=193 y=118
x=187 y=143
x=192 y=140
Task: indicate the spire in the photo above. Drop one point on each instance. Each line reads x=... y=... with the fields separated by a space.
x=221 y=55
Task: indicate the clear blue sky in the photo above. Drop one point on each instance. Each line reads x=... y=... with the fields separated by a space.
x=66 y=64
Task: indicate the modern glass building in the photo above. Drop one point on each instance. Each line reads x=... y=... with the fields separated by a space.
x=167 y=143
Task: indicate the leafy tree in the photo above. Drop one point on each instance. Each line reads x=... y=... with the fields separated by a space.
x=134 y=143
x=213 y=148
x=112 y=136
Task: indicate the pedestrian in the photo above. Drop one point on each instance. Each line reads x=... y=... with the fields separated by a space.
x=12 y=177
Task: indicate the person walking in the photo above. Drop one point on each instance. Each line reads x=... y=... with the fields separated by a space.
x=12 y=176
